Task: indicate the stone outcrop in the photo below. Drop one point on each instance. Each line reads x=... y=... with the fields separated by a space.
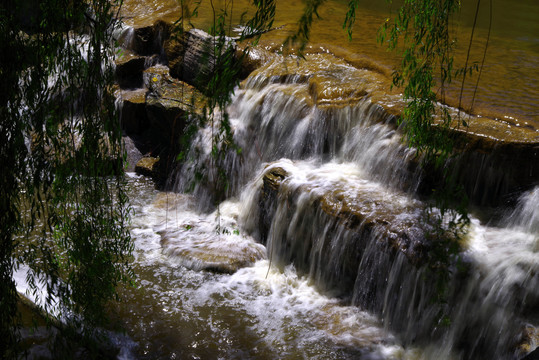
x=133 y=153
x=154 y=107
x=403 y=225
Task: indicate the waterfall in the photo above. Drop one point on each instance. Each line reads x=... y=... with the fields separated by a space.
x=275 y=118
x=526 y=214
x=328 y=186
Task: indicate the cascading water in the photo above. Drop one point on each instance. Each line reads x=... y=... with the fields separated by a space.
x=330 y=190
x=337 y=201
x=273 y=117
x=526 y=215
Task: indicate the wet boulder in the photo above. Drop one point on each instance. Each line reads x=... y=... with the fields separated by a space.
x=528 y=348
x=133 y=110
x=214 y=252
x=251 y=58
x=195 y=56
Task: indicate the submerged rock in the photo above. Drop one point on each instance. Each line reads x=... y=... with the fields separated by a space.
x=329 y=81
x=214 y=252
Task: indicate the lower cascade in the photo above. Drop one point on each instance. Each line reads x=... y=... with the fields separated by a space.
x=324 y=246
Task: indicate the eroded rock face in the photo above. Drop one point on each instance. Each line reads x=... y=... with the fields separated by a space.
x=172 y=94
x=169 y=104
x=155 y=114
x=133 y=153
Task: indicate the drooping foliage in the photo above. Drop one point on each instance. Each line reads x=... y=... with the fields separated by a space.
x=421 y=34
x=63 y=207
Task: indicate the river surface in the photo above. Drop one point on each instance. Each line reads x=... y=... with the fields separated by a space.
x=509 y=85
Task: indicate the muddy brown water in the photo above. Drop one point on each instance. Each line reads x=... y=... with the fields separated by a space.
x=509 y=84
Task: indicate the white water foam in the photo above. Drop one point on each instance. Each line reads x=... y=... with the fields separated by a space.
x=284 y=313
